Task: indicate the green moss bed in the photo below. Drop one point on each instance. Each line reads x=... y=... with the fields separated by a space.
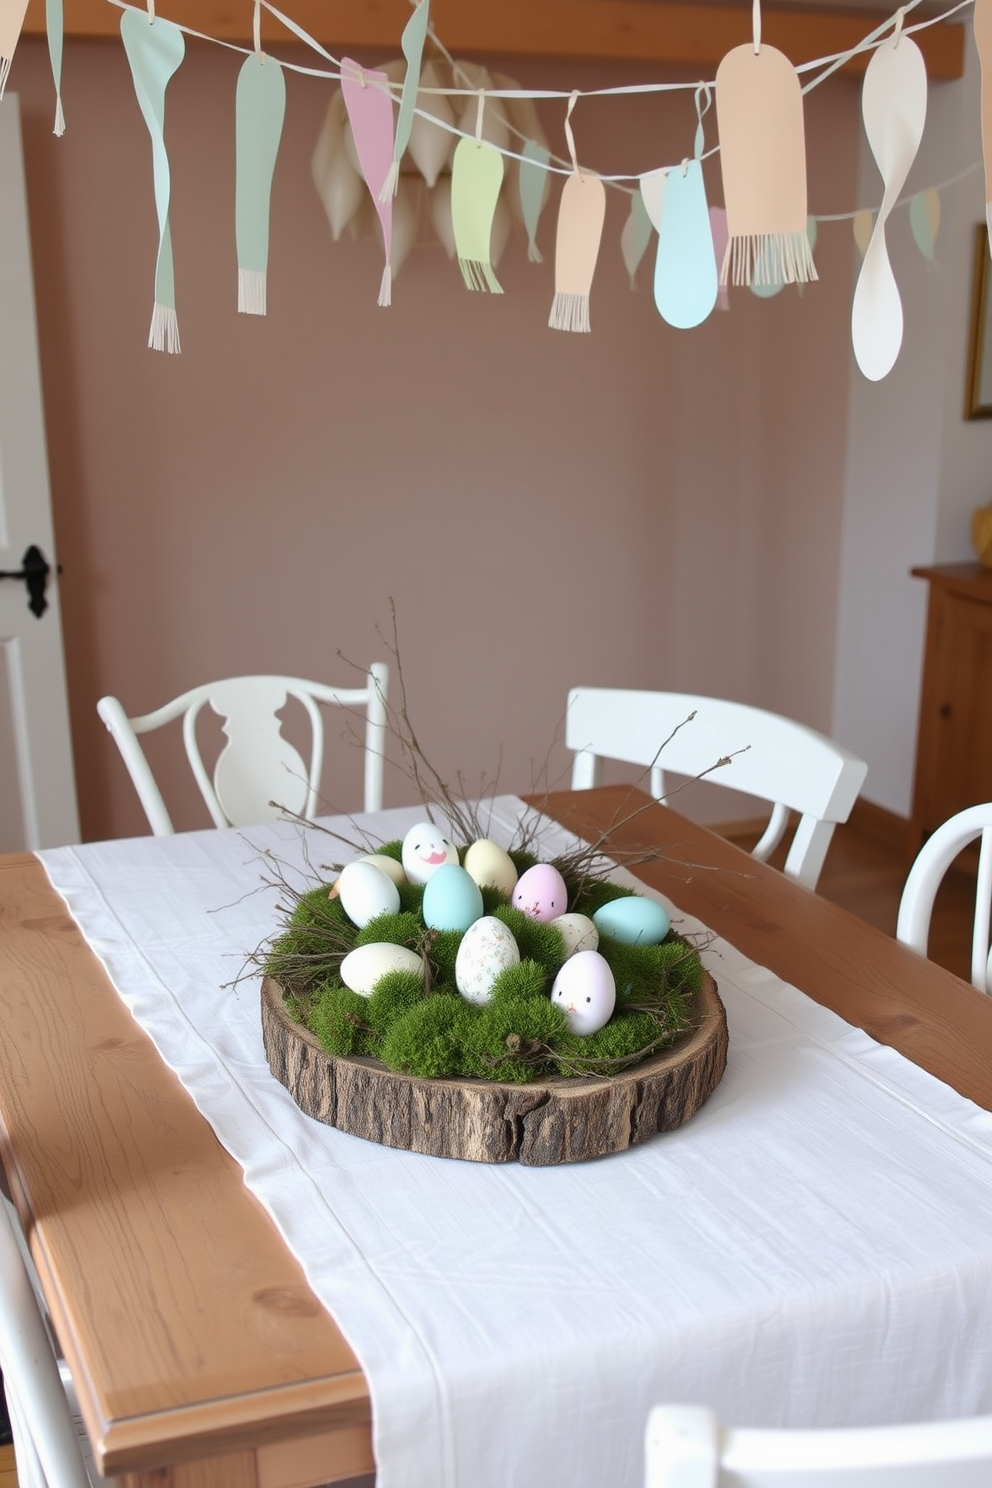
x=423 y=1026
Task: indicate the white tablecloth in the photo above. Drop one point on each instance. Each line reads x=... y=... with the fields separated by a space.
x=813 y=1248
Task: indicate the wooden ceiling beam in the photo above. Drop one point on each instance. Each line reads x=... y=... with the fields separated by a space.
x=687 y=36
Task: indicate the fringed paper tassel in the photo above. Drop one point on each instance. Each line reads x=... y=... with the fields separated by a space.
x=386 y=288
x=478 y=274
x=769 y=258
x=59 y=129
x=390 y=185
x=534 y=253
x=251 y=291
x=164 y=332
x=5 y=65
x=570 y=312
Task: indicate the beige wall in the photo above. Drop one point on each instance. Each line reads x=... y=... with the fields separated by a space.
x=641 y=506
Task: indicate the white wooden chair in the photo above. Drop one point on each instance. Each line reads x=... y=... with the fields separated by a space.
x=47 y=1449
x=932 y=862
x=686 y=1448
x=257 y=764
x=784 y=763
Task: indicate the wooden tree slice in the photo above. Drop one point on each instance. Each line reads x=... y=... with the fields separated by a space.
x=541 y=1124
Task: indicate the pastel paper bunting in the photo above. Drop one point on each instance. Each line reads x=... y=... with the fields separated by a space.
x=635 y=237
x=476 y=178
x=759 y=107
x=983 y=40
x=12 y=14
x=686 y=279
x=370 y=113
x=260 y=110
x=155 y=48
x=533 y=187
x=924 y=220
x=55 y=27
x=414 y=37
x=894 y=108
x=580 y=229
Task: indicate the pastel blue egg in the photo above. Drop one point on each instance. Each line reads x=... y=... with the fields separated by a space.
x=452 y=899
x=633 y=921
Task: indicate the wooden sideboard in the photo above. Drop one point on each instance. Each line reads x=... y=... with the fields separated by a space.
x=954 y=742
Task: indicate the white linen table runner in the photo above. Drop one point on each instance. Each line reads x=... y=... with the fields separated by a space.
x=813 y=1248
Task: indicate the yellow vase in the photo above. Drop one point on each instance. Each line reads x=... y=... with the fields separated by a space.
x=981 y=533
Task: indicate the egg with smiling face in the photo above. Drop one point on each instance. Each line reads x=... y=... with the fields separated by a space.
x=425 y=849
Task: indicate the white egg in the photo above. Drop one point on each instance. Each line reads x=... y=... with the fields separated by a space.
x=578 y=932
x=425 y=848
x=365 y=891
x=491 y=866
x=389 y=866
x=362 y=968
x=487 y=948
x=585 y=991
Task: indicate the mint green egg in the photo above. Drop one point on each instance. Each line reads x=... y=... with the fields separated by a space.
x=452 y=899
x=633 y=921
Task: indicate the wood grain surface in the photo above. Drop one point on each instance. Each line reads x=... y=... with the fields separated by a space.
x=196 y=1343
x=539 y=1124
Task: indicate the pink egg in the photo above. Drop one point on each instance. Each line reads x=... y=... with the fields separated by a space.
x=541 y=893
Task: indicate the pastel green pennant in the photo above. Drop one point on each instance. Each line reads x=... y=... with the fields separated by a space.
x=533 y=181
x=260 y=111
x=414 y=37
x=155 y=49
x=476 y=178
x=55 y=27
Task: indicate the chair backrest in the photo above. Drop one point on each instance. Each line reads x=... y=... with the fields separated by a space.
x=46 y=1447
x=932 y=862
x=782 y=762
x=685 y=1448
x=257 y=764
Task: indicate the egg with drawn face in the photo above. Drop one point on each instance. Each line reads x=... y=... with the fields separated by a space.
x=425 y=849
x=541 y=893
x=586 y=992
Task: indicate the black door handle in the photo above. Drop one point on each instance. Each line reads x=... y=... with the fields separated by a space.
x=34 y=571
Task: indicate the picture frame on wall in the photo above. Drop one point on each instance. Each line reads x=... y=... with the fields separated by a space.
x=978 y=389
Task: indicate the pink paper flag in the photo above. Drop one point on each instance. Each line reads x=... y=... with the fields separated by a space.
x=369 y=103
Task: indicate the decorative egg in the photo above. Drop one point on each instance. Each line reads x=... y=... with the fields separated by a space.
x=487 y=948
x=425 y=850
x=362 y=968
x=365 y=891
x=452 y=899
x=491 y=866
x=585 y=991
x=633 y=921
x=389 y=866
x=541 y=893
x=578 y=932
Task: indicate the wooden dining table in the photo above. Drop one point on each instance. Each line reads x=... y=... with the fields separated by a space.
x=150 y=1247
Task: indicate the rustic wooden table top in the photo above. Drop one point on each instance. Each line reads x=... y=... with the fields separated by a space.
x=196 y=1343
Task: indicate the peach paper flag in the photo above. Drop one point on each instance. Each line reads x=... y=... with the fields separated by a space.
x=370 y=112
x=11 y=20
x=476 y=178
x=759 y=105
x=581 y=214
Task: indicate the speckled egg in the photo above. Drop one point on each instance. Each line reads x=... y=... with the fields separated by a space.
x=452 y=900
x=365 y=891
x=578 y=932
x=491 y=866
x=362 y=968
x=633 y=921
x=541 y=893
x=425 y=849
x=487 y=948
x=585 y=991
x=389 y=866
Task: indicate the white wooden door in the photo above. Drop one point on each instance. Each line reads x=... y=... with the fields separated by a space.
x=37 y=786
